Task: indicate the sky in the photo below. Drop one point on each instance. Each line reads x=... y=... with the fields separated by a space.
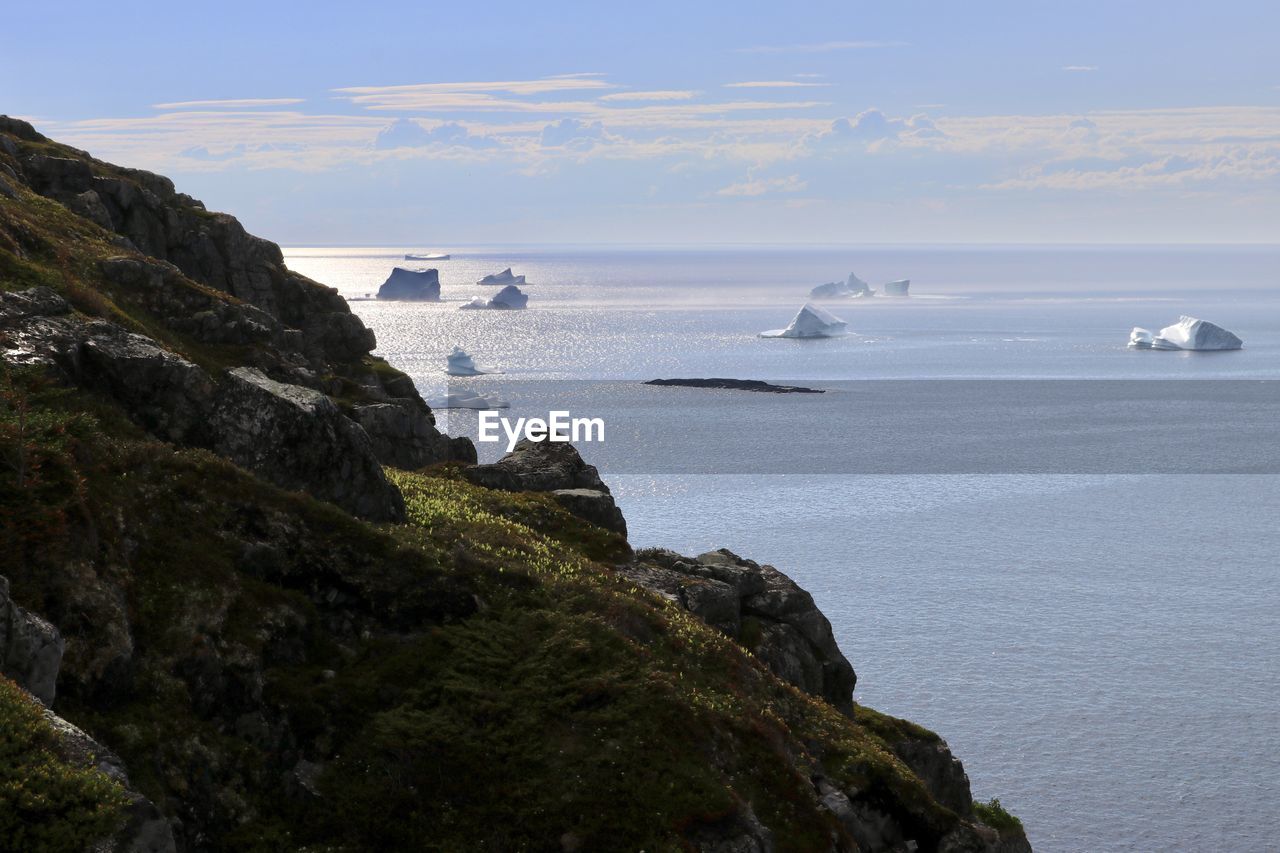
x=435 y=125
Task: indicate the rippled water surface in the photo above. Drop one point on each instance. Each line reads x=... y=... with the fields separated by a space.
x=1100 y=648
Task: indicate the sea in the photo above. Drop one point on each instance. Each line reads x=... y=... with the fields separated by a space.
x=1060 y=553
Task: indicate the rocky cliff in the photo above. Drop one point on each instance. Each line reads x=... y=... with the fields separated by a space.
x=265 y=604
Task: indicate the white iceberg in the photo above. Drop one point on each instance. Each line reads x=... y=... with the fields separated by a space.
x=852 y=288
x=461 y=364
x=411 y=285
x=461 y=399
x=509 y=298
x=1140 y=338
x=504 y=277
x=897 y=288
x=1190 y=333
x=811 y=322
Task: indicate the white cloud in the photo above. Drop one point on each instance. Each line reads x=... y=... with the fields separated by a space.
x=763 y=186
x=407 y=133
x=772 y=84
x=573 y=134
x=1078 y=69
x=229 y=103
x=655 y=95
x=821 y=47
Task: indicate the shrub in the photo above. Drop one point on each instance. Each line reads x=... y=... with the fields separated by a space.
x=995 y=816
x=46 y=804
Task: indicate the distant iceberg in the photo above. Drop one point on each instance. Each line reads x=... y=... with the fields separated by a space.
x=459 y=363
x=509 y=298
x=810 y=322
x=851 y=288
x=1190 y=333
x=430 y=256
x=1140 y=338
x=897 y=288
x=411 y=285
x=504 y=277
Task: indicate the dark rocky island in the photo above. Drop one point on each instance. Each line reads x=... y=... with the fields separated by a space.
x=254 y=600
x=737 y=385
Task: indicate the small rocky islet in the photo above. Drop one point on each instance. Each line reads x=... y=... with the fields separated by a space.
x=255 y=599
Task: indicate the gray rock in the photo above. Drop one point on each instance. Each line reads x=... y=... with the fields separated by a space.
x=298 y=439
x=403 y=434
x=412 y=285
x=30 y=648
x=557 y=467
x=940 y=771
x=761 y=608
x=594 y=506
x=146 y=830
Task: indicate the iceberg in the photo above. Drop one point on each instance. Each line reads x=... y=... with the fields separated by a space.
x=851 y=288
x=897 y=288
x=504 y=277
x=810 y=322
x=411 y=285
x=1190 y=333
x=1140 y=338
x=509 y=298
x=459 y=363
x=430 y=256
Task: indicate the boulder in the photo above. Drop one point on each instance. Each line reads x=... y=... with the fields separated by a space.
x=411 y=285
x=30 y=648
x=403 y=435
x=556 y=467
x=759 y=607
x=298 y=439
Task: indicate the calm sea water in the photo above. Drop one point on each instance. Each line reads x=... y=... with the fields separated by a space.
x=1099 y=645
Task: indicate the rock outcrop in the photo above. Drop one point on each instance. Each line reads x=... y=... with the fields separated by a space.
x=557 y=468
x=411 y=285
x=30 y=648
x=758 y=606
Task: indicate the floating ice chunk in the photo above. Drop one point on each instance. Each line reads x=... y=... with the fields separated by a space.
x=463 y=399
x=1140 y=338
x=509 y=298
x=504 y=277
x=413 y=285
x=897 y=288
x=810 y=322
x=461 y=364
x=1190 y=333
x=851 y=288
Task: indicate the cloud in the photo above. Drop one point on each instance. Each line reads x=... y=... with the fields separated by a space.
x=763 y=186
x=808 y=75
x=821 y=47
x=465 y=94
x=572 y=134
x=407 y=133
x=656 y=95
x=1079 y=69
x=229 y=104
x=772 y=84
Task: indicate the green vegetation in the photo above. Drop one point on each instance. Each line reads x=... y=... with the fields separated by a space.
x=47 y=805
x=994 y=815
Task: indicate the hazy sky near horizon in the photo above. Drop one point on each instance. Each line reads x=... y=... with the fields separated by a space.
x=431 y=125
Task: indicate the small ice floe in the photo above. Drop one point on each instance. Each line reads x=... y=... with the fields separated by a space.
x=459 y=363
x=811 y=322
x=510 y=298
x=1140 y=338
x=504 y=277
x=1189 y=333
